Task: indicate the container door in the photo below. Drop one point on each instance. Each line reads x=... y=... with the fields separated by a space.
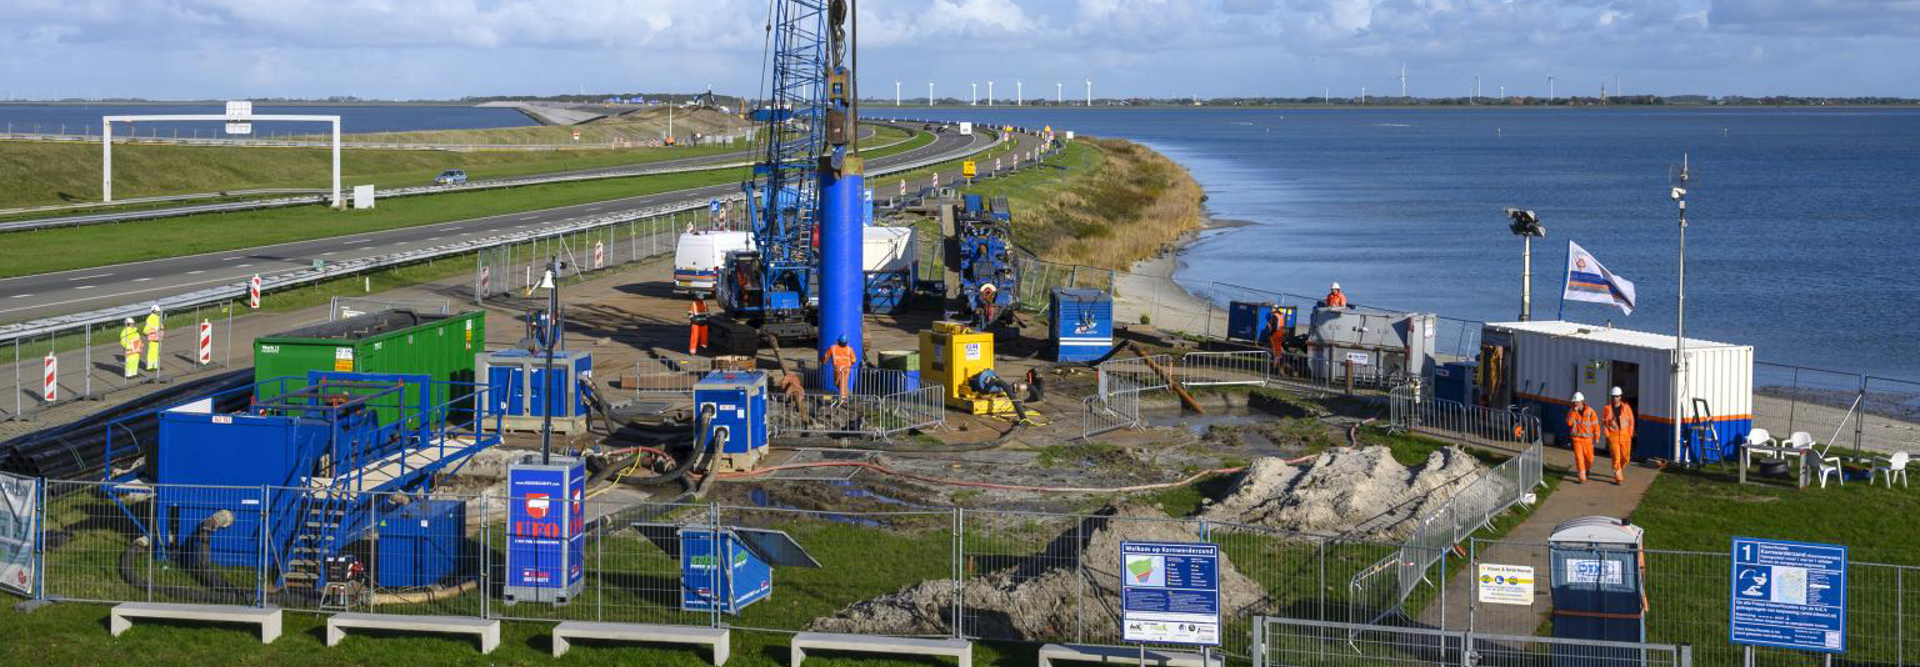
x=1595 y=379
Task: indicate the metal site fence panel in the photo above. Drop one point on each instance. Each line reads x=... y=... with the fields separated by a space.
x=343 y=307
x=872 y=415
x=87 y=361
x=1472 y=507
x=1306 y=643
x=1411 y=410
x=111 y=543
x=625 y=572
x=1824 y=404
x=1038 y=277
x=426 y=554
x=1136 y=374
x=871 y=562
x=1890 y=417
x=662 y=376
x=1687 y=596
x=1100 y=414
x=515 y=266
x=1224 y=368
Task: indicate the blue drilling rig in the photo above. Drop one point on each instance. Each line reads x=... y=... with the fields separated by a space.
x=798 y=196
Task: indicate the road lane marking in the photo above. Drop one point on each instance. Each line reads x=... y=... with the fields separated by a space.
x=330 y=253
x=195 y=273
x=21 y=296
x=97 y=275
x=141 y=280
x=86 y=287
x=242 y=266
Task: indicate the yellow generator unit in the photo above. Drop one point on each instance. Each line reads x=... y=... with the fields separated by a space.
x=952 y=356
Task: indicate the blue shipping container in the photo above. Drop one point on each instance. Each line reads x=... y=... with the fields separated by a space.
x=420 y=543
x=1247 y=321
x=1082 y=324
x=1454 y=382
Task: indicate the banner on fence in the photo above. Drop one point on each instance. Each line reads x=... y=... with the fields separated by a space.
x=19 y=500
x=1506 y=584
x=1789 y=594
x=1170 y=592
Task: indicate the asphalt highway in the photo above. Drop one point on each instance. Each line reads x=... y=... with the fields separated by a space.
x=31 y=297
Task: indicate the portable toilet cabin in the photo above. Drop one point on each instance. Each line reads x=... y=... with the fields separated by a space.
x=1080 y=324
x=1250 y=321
x=1598 y=575
x=1542 y=364
x=441 y=347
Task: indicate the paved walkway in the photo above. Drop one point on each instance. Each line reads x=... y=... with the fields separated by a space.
x=1524 y=545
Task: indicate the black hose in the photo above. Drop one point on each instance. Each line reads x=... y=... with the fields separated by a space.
x=201 y=553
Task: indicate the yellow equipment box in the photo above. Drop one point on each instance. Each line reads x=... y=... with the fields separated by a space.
x=950 y=355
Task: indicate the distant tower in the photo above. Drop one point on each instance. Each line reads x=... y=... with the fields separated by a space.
x=1019 y=93
x=1363 y=96
x=973 y=98
x=896 y=92
x=1059 y=94
x=929 y=93
x=1403 y=81
x=1089 y=92
x=989 y=92
x=1549 y=87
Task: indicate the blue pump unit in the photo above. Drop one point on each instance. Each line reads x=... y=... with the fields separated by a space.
x=1251 y=321
x=1080 y=324
x=518 y=384
x=731 y=411
x=420 y=543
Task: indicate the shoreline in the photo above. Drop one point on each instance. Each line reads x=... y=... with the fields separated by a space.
x=1148 y=286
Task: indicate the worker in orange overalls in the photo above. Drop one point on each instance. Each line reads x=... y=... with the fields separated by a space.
x=1276 y=333
x=1583 y=426
x=1618 y=423
x=841 y=356
x=1336 y=298
x=697 y=321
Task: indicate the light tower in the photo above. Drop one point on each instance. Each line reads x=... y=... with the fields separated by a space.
x=1363 y=96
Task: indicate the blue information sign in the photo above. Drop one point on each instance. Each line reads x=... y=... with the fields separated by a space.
x=1789 y=595
x=1170 y=592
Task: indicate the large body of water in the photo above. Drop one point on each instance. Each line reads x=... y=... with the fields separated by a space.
x=1799 y=218
x=78 y=118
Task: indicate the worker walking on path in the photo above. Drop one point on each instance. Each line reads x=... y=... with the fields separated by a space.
x=154 y=330
x=1583 y=426
x=1336 y=298
x=697 y=325
x=1619 y=428
x=841 y=356
x=1276 y=333
x=130 y=346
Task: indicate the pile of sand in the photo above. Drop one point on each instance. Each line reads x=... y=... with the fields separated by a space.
x=1040 y=596
x=1361 y=492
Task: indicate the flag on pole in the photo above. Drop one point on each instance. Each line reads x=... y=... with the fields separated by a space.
x=1587 y=280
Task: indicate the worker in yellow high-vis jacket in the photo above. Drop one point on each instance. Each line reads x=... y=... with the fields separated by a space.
x=130 y=345
x=154 y=330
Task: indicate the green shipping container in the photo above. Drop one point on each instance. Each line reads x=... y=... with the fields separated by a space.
x=391 y=341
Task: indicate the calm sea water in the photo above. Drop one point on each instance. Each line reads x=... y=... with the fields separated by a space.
x=76 y=118
x=1800 y=219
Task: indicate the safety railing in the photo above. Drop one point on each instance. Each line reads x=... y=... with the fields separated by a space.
x=874 y=415
x=1411 y=409
x=1288 y=642
x=88 y=361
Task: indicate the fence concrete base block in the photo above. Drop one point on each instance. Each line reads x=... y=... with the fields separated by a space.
x=488 y=630
x=959 y=649
x=718 y=638
x=30 y=606
x=268 y=618
x=1123 y=655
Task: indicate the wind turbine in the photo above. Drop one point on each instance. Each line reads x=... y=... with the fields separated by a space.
x=929 y=93
x=1549 y=88
x=896 y=92
x=1059 y=97
x=973 y=98
x=989 y=92
x=1089 y=92
x=1403 y=81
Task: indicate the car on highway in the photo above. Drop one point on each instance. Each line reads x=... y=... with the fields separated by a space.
x=451 y=177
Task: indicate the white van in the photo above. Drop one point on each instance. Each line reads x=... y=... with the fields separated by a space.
x=698 y=257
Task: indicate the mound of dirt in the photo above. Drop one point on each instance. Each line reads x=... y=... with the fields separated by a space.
x=1362 y=492
x=1042 y=595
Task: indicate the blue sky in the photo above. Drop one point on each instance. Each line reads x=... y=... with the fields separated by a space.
x=1210 y=48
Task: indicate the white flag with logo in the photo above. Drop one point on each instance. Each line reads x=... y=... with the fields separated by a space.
x=1587 y=280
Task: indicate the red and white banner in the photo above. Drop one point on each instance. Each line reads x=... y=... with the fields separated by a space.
x=50 y=386
x=253 y=291
x=903 y=187
x=599 y=255
x=936 y=179
x=486 y=280
x=206 y=342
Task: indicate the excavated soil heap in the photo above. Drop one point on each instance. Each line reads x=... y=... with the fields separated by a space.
x=1359 y=492
x=1040 y=596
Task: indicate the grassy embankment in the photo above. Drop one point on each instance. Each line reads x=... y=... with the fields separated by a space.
x=1103 y=202
x=40 y=174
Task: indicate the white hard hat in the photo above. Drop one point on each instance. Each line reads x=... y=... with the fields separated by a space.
x=1616 y=391
x=1336 y=285
x=156 y=308
x=986 y=287
x=1579 y=397
x=129 y=321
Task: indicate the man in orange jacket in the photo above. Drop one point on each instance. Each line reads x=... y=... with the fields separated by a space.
x=841 y=356
x=1583 y=426
x=1335 y=297
x=1618 y=423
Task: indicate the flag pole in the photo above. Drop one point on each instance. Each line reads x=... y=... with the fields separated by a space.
x=1564 y=279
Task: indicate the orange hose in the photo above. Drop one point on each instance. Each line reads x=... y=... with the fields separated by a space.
x=983 y=485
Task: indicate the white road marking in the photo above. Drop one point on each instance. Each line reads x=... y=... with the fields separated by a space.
x=97 y=275
x=329 y=254
x=141 y=280
x=86 y=287
x=359 y=240
x=368 y=247
x=195 y=273
x=242 y=266
x=229 y=259
x=528 y=217
x=433 y=238
x=21 y=296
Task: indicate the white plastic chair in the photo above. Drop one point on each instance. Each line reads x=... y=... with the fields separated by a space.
x=1759 y=437
x=1895 y=465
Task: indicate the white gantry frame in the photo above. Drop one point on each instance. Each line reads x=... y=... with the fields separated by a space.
x=106 y=140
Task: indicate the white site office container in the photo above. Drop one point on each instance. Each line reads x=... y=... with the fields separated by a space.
x=1549 y=361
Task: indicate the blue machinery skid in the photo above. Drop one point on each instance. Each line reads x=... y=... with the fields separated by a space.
x=297 y=479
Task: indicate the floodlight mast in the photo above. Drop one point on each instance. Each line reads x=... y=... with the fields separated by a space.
x=1526 y=225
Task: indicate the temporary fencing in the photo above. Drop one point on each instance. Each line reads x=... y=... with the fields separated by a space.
x=89 y=363
x=1286 y=642
x=343 y=307
x=19 y=534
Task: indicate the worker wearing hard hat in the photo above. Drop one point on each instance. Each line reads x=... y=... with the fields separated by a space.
x=130 y=345
x=841 y=356
x=1276 y=333
x=1618 y=424
x=989 y=304
x=154 y=330
x=1335 y=297
x=696 y=325
x=1583 y=426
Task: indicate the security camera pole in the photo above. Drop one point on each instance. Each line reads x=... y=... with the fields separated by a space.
x=1526 y=225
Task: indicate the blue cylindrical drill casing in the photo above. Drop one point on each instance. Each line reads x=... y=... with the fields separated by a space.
x=842 y=280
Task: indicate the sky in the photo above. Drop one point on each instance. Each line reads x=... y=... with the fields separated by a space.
x=405 y=49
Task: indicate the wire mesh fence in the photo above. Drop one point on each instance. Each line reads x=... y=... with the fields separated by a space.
x=1309 y=643
x=91 y=361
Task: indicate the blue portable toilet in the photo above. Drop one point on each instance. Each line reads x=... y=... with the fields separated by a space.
x=1081 y=326
x=1598 y=578
x=1247 y=320
x=1454 y=382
